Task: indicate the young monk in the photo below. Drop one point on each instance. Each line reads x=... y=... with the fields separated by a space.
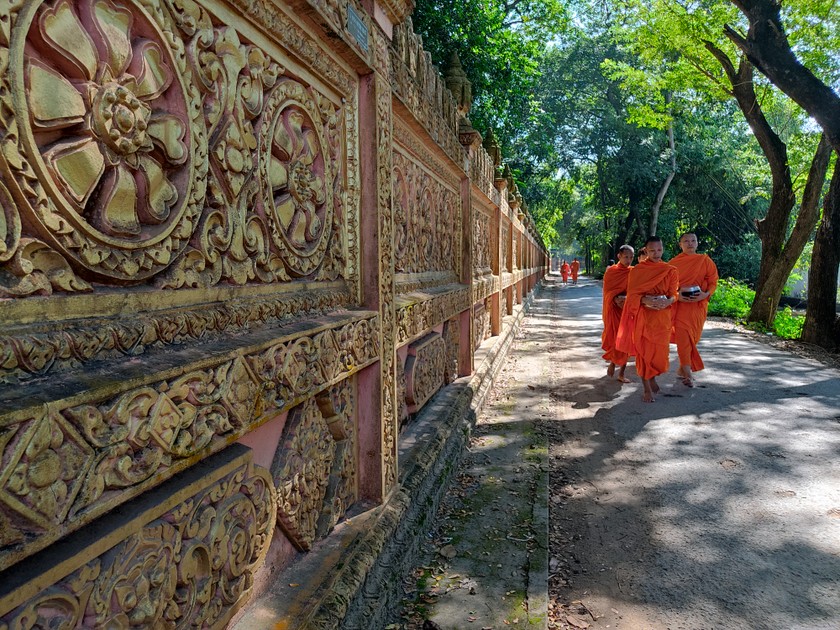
x=565 y=270
x=615 y=292
x=696 y=271
x=575 y=269
x=645 y=328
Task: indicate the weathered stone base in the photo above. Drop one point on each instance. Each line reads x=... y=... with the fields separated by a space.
x=352 y=580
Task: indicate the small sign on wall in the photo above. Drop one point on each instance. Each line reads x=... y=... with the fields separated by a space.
x=357 y=27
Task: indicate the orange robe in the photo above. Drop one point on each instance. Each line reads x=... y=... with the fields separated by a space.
x=564 y=270
x=575 y=267
x=689 y=317
x=615 y=283
x=643 y=331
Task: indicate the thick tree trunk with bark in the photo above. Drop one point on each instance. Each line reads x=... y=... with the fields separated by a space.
x=777 y=257
x=820 y=321
x=767 y=47
x=768 y=293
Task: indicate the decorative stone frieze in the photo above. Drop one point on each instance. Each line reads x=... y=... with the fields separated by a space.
x=186 y=558
x=314 y=468
x=419 y=312
x=452 y=340
x=426 y=216
x=43 y=348
x=425 y=370
x=481 y=242
x=418 y=84
x=186 y=156
x=85 y=452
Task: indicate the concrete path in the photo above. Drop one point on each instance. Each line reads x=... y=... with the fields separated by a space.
x=715 y=507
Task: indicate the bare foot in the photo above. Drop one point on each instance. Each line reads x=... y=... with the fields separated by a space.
x=654 y=386
x=684 y=373
x=611 y=370
x=648 y=397
x=623 y=379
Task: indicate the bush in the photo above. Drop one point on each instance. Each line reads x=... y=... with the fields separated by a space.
x=732 y=298
x=787 y=325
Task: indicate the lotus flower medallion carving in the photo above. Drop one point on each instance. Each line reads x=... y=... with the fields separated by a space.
x=108 y=133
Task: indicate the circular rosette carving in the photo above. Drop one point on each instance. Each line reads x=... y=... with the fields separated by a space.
x=295 y=168
x=106 y=127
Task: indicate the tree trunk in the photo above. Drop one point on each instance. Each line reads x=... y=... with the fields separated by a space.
x=772 y=229
x=769 y=291
x=663 y=190
x=822 y=280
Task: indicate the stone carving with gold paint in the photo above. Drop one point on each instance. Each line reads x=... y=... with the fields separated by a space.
x=136 y=154
x=190 y=566
x=71 y=462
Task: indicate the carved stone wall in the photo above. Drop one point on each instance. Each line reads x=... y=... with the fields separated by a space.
x=186 y=559
x=188 y=190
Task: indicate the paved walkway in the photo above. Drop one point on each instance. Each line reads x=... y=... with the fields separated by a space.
x=715 y=507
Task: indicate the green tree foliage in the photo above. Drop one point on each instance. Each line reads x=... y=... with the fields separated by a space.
x=500 y=44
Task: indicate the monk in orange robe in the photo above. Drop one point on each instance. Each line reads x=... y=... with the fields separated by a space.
x=615 y=292
x=698 y=277
x=575 y=269
x=565 y=270
x=645 y=329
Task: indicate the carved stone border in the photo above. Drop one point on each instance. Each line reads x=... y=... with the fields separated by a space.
x=38 y=350
x=185 y=557
x=418 y=312
x=86 y=451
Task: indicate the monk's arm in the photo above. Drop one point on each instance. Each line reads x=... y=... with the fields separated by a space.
x=711 y=278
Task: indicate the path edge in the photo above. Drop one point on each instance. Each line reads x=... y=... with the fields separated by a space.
x=366 y=586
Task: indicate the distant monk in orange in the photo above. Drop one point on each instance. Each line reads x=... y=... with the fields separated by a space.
x=645 y=329
x=698 y=277
x=565 y=270
x=615 y=292
x=575 y=267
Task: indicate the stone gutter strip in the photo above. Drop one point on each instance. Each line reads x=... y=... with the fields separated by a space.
x=367 y=586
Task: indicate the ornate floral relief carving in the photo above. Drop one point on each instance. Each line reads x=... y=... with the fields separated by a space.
x=44 y=349
x=75 y=460
x=420 y=314
x=107 y=149
x=484 y=286
x=296 y=167
x=387 y=258
x=517 y=252
x=402 y=406
x=44 y=463
x=481 y=322
x=426 y=220
x=480 y=243
x=188 y=567
x=424 y=370
x=338 y=406
x=505 y=246
x=137 y=153
x=301 y=470
x=452 y=339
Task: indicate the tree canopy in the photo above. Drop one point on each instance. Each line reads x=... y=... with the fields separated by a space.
x=620 y=119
